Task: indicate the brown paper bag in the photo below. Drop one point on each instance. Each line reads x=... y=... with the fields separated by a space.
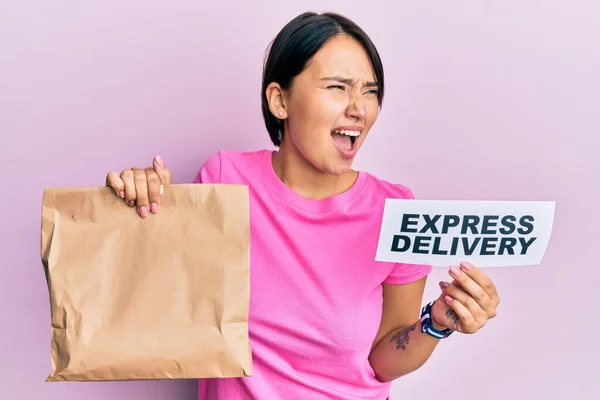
x=163 y=297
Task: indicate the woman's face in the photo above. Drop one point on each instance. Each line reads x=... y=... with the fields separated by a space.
x=331 y=106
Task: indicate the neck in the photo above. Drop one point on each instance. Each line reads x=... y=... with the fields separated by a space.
x=302 y=177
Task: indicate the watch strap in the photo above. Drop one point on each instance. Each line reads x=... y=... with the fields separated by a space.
x=427 y=324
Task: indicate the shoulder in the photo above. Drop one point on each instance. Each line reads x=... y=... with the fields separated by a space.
x=233 y=158
x=372 y=202
x=385 y=189
x=223 y=163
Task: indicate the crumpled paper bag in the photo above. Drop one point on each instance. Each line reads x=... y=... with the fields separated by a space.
x=163 y=297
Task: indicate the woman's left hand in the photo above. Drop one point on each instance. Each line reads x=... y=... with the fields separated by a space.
x=467 y=303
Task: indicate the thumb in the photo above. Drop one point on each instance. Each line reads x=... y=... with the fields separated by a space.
x=164 y=173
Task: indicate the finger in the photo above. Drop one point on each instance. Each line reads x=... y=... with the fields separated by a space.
x=466 y=300
x=470 y=286
x=130 y=194
x=153 y=189
x=141 y=190
x=114 y=181
x=480 y=278
x=164 y=173
x=457 y=284
x=459 y=316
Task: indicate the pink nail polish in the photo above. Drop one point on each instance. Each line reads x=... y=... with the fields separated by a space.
x=466 y=266
x=454 y=271
x=444 y=285
x=143 y=212
x=448 y=298
x=159 y=161
x=153 y=208
x=131 y=203
x=122 y=194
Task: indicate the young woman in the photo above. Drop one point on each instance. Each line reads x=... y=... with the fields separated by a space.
x=326 y=320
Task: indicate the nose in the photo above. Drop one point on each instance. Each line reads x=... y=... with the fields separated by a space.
x=356 y=108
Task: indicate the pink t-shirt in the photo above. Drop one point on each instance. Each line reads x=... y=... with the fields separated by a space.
x=316 y=294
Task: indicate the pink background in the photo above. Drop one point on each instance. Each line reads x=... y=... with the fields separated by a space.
x=485 y=100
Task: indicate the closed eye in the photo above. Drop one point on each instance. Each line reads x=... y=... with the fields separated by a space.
x=374 y=92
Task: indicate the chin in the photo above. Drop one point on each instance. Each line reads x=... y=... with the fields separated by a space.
x=329 y=160
x=338 y=166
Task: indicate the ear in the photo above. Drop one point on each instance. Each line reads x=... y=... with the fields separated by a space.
x=276 y=98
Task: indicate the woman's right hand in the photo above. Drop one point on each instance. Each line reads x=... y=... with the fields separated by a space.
x=139 y=187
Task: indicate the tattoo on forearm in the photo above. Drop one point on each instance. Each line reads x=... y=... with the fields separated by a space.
x=451 y=315
x=401 y=338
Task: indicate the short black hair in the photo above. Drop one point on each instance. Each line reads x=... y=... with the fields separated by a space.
x=297 y=42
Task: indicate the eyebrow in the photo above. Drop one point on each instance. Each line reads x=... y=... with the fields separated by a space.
x=347 y=81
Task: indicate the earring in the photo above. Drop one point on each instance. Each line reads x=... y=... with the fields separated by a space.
x=280 y=112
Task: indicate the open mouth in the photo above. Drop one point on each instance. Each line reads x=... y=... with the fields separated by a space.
x=345 y=138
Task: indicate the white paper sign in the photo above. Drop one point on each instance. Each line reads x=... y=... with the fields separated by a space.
x=447 y=232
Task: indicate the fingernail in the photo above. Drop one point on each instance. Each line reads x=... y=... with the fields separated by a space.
x=153 y=208
x=444 y=285
x=143 y=212
x=448 y=298
x=466 y=266
x=122 y=194
x=131 y=203
x=454 y=271
x=159 y=161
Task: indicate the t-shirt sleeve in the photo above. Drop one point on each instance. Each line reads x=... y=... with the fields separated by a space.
x=407 y=273
x=210 y=172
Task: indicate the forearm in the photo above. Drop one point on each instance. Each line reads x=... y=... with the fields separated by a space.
x=401 y=352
